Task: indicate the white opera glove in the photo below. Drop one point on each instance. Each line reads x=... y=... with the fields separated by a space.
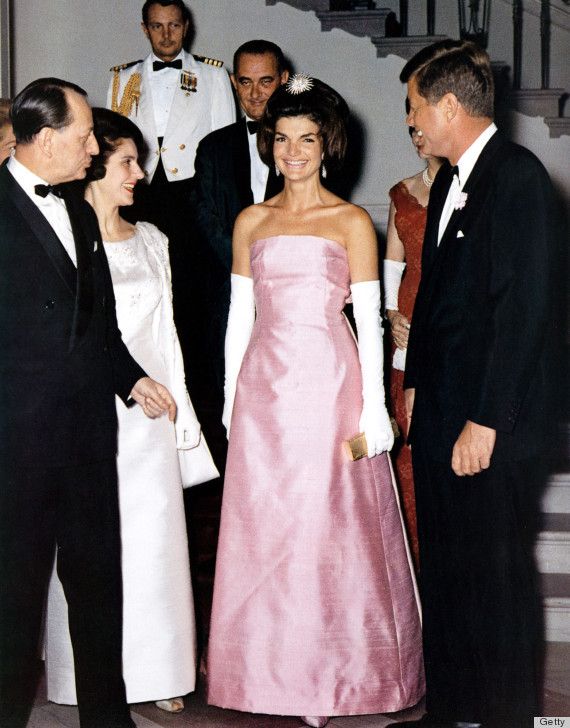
x=240 y=325
x=374 y=420
x=393 y=271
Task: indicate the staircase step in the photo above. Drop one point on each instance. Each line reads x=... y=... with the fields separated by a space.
x=555 y=586
x=558 y=126
x=553 y=544
x=357 y=22
x=303 y=4
x=537 y=101
x=556 y=497
x=556 y=601
x=405 y=47
x=564 y=428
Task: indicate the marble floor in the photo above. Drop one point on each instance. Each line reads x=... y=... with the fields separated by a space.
x=198 y=714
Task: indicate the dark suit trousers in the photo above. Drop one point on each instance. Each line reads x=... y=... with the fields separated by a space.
x=482 y=615
x=77 y=508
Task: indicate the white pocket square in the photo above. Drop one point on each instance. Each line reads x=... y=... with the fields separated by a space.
x=460 y=234
x=95 y=246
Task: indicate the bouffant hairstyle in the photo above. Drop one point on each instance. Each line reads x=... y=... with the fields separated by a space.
x=110 y=129
x=454 y=66
x=322 y=105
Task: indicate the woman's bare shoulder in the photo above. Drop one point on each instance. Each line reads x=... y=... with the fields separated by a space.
x=356 y=215
x=250 y=218
x=250 y=213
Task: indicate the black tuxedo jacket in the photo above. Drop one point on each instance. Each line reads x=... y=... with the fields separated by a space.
x=62 y=358
x=223 y=187
x=222 y=190
x=483 y=336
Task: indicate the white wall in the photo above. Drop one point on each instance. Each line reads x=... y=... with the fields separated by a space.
x=83 y=43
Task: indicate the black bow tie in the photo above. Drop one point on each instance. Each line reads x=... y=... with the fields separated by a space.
x=455 y=172
x=44 y=190
x=159 y=65
x=253 y=127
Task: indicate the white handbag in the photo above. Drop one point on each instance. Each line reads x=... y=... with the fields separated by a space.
x=197 y=465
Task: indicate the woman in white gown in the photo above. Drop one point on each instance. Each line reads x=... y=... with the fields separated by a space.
x=159 y=641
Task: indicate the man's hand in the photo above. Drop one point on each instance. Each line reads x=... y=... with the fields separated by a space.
x=154 y=398
x=473 y=449
x=409 y=396
x=400 y=328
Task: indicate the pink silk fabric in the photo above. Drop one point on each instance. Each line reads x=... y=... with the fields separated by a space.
x=314 y=607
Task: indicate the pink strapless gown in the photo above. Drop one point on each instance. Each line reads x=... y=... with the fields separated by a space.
x=314 y=607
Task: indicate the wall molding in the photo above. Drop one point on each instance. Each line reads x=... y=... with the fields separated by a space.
x=378 y=211
x=5 y=71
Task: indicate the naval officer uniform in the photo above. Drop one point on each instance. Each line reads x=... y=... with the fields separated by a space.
x=175 y=104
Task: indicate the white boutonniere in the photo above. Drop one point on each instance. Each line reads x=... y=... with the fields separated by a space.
x=460 y=200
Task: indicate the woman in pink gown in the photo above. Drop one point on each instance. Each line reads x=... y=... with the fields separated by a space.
x=315 y=611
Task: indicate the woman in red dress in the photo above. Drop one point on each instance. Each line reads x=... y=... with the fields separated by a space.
x=406 y=225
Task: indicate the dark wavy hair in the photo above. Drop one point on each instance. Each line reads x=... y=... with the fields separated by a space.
x=259 y=47
x=110 y=129
x=165 y=3
x=41 y=104
x=322 y=105
x=454 y=66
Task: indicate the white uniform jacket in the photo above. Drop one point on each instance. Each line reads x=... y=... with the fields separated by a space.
x=193 y=113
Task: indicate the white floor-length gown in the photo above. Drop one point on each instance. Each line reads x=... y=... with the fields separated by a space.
x=159 y=639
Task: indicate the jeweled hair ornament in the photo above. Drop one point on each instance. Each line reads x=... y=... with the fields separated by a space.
x=298 y=83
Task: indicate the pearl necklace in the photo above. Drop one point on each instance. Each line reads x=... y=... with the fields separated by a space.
x=428 y=181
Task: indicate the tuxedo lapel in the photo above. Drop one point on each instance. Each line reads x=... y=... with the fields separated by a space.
x=242 y=164
x=437 y=199
x=242 y=168
x=42 y=230
x=84 y=247
x=475 y=187
x=274 y=183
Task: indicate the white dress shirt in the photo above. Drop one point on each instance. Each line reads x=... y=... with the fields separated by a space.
x=259 y=171
x=465 y=165
x=52 y=207
x=163 y=84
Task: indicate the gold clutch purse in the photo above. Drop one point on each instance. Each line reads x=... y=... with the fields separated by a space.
x=357 y=446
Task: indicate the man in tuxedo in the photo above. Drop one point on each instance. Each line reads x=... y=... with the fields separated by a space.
x=479 y=373
x=175 y=98
x=229 y=177
x=62 y=361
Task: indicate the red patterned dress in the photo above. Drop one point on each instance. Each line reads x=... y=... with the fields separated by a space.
x=410 y=221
